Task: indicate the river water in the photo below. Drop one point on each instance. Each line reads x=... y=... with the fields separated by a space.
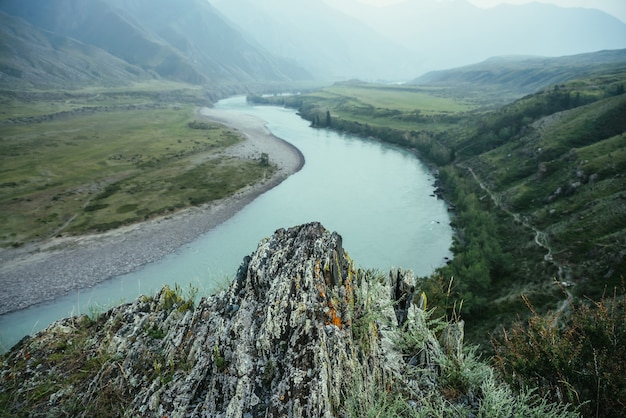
x=378 y=197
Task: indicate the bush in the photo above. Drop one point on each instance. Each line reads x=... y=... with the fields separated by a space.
x=95 y=207
x=578 y=357
x=198 y=125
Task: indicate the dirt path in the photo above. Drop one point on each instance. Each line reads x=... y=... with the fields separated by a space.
x=541 y=237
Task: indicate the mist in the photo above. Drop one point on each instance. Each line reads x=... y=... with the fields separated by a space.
x=399 y=40
x=235 y=42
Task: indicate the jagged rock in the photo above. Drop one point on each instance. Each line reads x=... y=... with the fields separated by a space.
x=299 y=332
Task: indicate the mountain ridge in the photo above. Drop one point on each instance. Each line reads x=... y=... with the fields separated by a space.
x=232 y=42
x=521 y=75
x=333 y=45
x=451 y=34
x=191 y=44
x=37 y=58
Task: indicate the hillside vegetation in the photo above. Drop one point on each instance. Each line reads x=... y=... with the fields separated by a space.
x=504 y=79
x=537 y=189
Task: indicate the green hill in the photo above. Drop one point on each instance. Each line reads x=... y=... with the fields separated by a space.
x=516 y=76
x=557 y=160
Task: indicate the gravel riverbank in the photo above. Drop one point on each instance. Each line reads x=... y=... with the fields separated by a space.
x=46 y=270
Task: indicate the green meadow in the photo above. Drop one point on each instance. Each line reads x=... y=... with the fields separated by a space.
x=381 y=106
x=131 y=158
x=428 y=100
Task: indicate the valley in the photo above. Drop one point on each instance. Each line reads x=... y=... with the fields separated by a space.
x=96 y=161
x=537 y=184
x=481 y=147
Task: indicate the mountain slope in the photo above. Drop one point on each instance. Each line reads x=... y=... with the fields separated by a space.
x=320 y=38
x=557 y=159
x=99 y=24
x=33 y=58
x=537 y=185
x=200 y=33
x=185 y=41
x=517 y=76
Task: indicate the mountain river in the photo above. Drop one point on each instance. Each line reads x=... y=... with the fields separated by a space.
x=378 y=197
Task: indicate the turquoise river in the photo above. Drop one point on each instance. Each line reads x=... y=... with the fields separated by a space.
x=378 y=197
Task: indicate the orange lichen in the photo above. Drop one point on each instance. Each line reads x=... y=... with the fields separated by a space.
x=335 y=319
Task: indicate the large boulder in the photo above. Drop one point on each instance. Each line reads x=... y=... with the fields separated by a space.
x=299 y=332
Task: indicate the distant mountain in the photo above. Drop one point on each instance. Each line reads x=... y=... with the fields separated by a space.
x=521 y=75
x=330 y=44
x=211 y=43
x=448 y=34
x=184 y=40
x=30 y=57
x=246 y=41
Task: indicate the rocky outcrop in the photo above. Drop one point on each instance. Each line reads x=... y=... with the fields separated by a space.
x=299 y=332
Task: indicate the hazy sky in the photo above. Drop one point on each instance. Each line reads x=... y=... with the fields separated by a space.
x=489 y=3
x=614 y=7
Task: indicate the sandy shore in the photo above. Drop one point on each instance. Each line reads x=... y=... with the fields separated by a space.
x=46 y=270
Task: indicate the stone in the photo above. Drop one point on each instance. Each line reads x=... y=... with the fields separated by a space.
x=297 y=333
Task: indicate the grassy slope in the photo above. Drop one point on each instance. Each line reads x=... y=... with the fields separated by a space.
x=385 y=106
x=504 y=79
x=566 y=176
x=132 y=158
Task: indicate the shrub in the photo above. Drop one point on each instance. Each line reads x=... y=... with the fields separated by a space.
x=96 y=207
x=127 y=208
x=198 y=125
x=578 y=357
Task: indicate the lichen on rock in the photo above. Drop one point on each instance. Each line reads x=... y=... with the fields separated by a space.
x=300 y=332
